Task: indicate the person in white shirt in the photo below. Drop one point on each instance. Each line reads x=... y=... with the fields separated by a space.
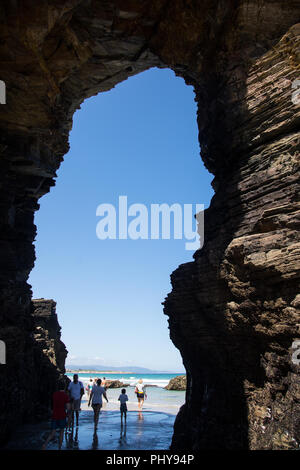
x=76 y=390
x=96 y=399
x=140 y=393
x=123 y=398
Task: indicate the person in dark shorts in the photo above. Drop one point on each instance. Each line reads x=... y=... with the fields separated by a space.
x=61 y=402
x=123 y=398
x=140 y=393
x=96 y=399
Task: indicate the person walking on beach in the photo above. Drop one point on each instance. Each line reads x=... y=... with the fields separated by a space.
x=140 y=393
x=96 y=399
x=104 y=383
x=61 y=402
x=89 y=387
x=76 y=390
x=123 y=398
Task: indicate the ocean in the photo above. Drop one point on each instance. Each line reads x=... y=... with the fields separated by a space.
x=158 y=398
x=159 y=380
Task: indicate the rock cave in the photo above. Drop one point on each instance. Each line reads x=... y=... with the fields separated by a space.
x=233 y=311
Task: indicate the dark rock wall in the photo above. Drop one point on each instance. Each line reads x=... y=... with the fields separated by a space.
x=49 y=354
x=47 y=333
x=233 y=312
x=35 y=361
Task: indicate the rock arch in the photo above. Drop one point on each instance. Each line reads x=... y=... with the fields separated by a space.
x=233 y=311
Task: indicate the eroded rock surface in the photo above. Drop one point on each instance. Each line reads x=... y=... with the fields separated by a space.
x=47 y=334
x=177 y=383
x=233 y=311
x=115 y=384
x=35 y=363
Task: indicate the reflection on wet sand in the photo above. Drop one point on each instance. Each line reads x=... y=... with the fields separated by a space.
x=71 y=439
x=123 y=433
x=95 y=440
x=145 y=429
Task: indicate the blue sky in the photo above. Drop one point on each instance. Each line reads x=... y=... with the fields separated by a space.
x=140 y=140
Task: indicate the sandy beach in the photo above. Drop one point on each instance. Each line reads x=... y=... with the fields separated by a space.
x=151 y=429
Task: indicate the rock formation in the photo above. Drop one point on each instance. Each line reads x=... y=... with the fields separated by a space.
x=47 y=334
x=233 y=311
x=115 y=384
x=177 y=383
x=36 y=362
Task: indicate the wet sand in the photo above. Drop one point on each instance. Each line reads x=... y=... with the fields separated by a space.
x=149 y=430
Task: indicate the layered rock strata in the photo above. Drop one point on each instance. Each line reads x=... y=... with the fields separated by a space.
x=47 y=336
x=233 y=311
x=35 y=362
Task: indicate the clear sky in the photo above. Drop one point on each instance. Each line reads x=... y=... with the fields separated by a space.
x=140 y=140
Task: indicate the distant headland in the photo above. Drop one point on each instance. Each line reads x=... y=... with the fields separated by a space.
x=97 y=369
x=87 y=371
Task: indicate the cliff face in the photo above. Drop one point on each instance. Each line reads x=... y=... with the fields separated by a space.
x=234 y=313
x=234 y=310
x=35 y=362
x=47 y=334
x=49 y=354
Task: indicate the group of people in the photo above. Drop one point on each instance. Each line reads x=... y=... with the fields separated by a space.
x=67 y=404
x=92 y=382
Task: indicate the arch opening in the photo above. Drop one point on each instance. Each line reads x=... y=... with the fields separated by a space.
x=138 y=140
x=236 y=300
